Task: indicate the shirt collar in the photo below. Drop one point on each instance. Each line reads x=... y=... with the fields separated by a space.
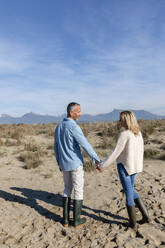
x=69 y=119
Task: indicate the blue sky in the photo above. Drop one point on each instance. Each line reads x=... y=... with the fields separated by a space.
x=104 y=54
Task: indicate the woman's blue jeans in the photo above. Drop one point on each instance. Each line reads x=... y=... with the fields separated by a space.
x=127 y=182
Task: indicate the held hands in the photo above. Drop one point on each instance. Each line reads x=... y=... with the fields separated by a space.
x=99 y=169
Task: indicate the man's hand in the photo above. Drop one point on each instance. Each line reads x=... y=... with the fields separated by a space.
x=99 y=169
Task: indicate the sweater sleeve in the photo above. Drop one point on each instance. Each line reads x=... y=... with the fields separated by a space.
x=121 y=142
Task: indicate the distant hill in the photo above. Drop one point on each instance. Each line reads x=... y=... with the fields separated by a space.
x=32 y=118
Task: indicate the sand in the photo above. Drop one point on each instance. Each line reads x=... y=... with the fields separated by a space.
x=31 y=209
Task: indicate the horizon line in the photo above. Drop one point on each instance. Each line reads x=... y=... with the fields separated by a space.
x=31 y=112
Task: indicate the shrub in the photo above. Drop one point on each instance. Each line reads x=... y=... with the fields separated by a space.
x=31 y=159
x=103 y=154
x=108 y=130
x=50 y=146
x=106 y=143
x=147 y=131
x=87 y=128
x=46 y=129
x=16 y=134
x=149 y=153
x=11 y=142
x=89 y=166
x=155 y=141
x=31 y=156
x=161 y=129
x=32 y=147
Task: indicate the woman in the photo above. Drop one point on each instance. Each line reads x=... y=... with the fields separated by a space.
x=128 y=154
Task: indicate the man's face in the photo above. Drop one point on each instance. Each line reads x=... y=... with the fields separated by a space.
x=76 y=113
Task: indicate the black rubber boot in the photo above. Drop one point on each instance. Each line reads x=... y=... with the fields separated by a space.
x=77 y=213
x=66 y=210
x=132 y=217
x=141 y=206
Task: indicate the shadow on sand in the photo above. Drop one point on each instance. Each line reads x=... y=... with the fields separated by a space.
x=31 y=196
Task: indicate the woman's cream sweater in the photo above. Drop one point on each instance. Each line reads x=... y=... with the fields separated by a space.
x=128 y=151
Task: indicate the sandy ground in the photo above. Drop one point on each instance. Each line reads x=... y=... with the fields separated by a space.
x=31 y=210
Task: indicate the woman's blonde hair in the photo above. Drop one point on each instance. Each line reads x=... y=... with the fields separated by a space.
x=129 y=121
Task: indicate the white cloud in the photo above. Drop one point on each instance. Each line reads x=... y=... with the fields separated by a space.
x=117 y=65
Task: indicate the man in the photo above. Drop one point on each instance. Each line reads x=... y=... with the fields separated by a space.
x=68 y=139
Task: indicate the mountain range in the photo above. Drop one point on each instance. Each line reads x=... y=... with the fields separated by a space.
x=33 y=118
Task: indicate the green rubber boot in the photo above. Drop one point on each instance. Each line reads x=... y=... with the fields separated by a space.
x=132 y=217
x=141 y=206
x=66 y=210
x=77 y=213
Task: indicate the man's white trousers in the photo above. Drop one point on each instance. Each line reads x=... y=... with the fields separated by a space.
x=74 y=180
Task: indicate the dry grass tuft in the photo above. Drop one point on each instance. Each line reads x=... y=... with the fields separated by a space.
x=31 y=159
x=45 y=129
x=89 y=166
x=32 y=155
x=150 y=153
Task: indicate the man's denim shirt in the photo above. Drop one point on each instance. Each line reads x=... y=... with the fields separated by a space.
x=68 y=139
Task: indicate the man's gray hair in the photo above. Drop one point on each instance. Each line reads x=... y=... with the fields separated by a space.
x=71 y=106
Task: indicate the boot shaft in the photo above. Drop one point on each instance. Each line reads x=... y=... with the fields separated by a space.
x=77 y=208
x=66 y=210
x=132 y=216
x=141 y=206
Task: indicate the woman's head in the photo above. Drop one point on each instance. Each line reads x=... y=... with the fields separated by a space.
x=128 y=121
